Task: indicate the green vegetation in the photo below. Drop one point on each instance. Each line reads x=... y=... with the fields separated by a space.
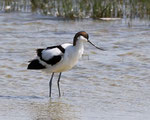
x=14 y=5
x=81 y=8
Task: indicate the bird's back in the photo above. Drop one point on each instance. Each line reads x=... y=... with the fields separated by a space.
x=54 y=58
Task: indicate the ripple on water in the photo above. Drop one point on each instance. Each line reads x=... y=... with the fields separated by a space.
x=115 y=81
x=8 y=76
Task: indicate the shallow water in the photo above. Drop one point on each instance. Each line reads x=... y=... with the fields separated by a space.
x=112 y=84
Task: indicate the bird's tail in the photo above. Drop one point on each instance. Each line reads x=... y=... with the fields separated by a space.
x=35 y=65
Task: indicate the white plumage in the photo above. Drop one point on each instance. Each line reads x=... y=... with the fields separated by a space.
x=48 y=54
x=68 y=59
x=57 y=59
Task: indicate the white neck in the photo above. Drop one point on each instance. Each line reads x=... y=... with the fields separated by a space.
x=79 y=45
x=79 y=48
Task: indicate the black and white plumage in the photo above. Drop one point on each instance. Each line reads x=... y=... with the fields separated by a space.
x=47 y=57
x=57 y=59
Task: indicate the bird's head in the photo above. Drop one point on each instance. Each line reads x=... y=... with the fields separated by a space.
x=82 y=36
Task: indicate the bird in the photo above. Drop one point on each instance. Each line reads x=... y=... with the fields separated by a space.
x=60 y=58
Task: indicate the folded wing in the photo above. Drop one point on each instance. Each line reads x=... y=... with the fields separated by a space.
x=51 y=55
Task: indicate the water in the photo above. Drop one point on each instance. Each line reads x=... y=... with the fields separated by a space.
x=104 y=85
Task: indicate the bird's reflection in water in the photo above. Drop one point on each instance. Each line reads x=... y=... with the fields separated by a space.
x=53 y=110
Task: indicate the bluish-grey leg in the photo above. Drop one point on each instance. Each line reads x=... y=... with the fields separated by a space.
x=50 y=85
x=58 y=84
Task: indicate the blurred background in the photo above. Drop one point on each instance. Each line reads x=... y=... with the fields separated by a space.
x=80 y=8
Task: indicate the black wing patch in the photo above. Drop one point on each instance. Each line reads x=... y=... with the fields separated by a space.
x=35 y=64
x=39 y=52
x=59 y=47
x=54 y=59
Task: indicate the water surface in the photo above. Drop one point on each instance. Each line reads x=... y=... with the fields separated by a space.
x=112 y=84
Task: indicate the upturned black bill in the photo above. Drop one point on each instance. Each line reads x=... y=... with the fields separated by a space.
x=95 y=46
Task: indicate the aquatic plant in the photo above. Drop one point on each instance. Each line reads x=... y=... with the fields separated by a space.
x=81 y=8
x=15 y=5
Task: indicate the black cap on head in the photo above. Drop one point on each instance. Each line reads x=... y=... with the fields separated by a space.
x=84 y=34
x=81 y=33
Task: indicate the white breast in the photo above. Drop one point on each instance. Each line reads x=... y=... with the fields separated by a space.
x=70 y=59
